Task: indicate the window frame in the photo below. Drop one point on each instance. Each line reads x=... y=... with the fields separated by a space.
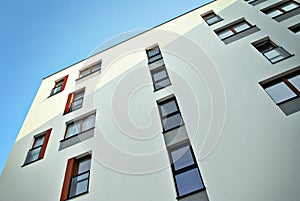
x=207 y=17
x=90 y=69
x=278 y=7
x=284 y=79
x=43 y=147
x=187 y=168
x=284 y=53
x=230 y=28
x=81 y=120
x=163 y=117
x=295 y=29
x=56 y=85
x=71 y=99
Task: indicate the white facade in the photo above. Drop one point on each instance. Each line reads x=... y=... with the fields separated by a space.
x=246 y=146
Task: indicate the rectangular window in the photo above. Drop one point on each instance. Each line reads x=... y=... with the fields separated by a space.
x=157 y=68
x=295 y=29
x=38 y=148
x=254 y=2
x=79 y=126
x=74 y=101
x=90 y=70
x=211 y=18
x=77 y=177
x=235 y=31
x=170 y=114
x=285 y=91
x=271 y=51
x=185 y=170
x=59 y=85
x=283 y=10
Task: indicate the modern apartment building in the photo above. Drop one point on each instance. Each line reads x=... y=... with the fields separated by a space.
x=202 y=107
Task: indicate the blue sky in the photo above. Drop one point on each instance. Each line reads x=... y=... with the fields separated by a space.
x=38 y=38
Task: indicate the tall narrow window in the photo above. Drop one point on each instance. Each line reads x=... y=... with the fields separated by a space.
x=170 y=114
x=77 y=177
x=74 y=101
x=271 y=51
x=185 y=170
x=157 y=68
x=283 y=10
x=79 y=126
x=285 y=91
x=59 y=85
x=38 y=148
x=211 y=18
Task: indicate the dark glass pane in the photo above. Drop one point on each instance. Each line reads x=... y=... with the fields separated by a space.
x=188 y=182
x=33 y=155
x=79 y=184
x=172 y=122
x=153 y=51
x=39 y=141
x=155 y=58
x=159 y=75
x=162 y=84
x=84 y=166
x=168 y=107
x=182 y=158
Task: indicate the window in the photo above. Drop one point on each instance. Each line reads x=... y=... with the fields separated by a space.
x=185 y=170
x=235 y=31
x=77 y=177
x=59 y=86
x=170 y=114
x=283 y=10
x=211 y=18
x=75 y=101
x=285 y=91
x=90 y=70
x=295 y=29
x=79 y=126
x=38 y=148
x=271 y=51
x=157 y=68
x=254 y=2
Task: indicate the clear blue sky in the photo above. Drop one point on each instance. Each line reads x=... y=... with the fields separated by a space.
x=38 y=38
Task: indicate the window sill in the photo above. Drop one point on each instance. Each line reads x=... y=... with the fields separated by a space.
x=75 y=139
x=75 y=196
x=25 y=164
x=191 y=193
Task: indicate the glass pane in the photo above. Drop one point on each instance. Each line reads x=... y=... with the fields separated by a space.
x=172 y=122
x=225 y=33
x=76 y=104
x=240 y=27
x=159 y=75
x=153 y=51
x=84 y=72
x=73 y=129
x=295 y=81
x=88 y=123
x=188 y=182
x=168 y=108
x=96 y=68
x=84 y=166
x=162 y=84
x=33 y=155
x=156 y=64
x=155 y=58
x=274 y=55
x=79 y=95
x=213 y=20
x=280 y=92
x=289 y=6
x=39 y=141
x=182 y=157
x=79 y=185
x=274 y=13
